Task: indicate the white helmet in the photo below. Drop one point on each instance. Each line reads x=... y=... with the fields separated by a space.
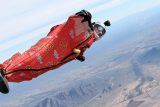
x=100 y=29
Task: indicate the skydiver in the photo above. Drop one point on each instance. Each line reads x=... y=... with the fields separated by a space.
x=16 y=70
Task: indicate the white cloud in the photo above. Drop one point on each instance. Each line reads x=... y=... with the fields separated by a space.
x=32 y=23
x=22 y=39
x=139 y=8
x=148 y=5
x=45 y=16
x=38 y=16
x=108 y=5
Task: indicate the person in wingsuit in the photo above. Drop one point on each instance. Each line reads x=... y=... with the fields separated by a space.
x=64 y=43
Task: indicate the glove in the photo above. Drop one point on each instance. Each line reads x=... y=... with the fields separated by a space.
x=76 y=51
x=87 y=17
x=80 y=58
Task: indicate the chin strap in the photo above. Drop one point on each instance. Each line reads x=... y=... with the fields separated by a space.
x=96 y=36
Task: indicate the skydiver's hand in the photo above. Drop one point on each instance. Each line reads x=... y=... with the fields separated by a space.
x=87 y=17
x=81 y=58
x=76 y=51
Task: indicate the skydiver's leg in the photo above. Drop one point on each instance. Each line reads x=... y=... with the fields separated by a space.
x=20 y=76
x=27 y=75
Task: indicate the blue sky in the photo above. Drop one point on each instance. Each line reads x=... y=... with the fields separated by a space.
x=24 y=22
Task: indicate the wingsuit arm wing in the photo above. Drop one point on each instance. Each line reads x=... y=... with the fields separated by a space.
x=87 y=17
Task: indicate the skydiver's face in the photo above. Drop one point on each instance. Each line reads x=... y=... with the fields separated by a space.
x=98 y=31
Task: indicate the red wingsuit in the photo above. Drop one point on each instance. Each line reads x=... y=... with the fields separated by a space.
x=50 y=52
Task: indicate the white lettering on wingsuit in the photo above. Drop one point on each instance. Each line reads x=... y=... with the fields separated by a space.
x=22 y=74
x=56 y=55
x=88 y=34
x=72 y=34
x=19 y=64
x=30 y=53
x=50 y=37
x=39 y=58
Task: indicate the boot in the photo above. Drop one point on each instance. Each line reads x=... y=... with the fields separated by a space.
x=4 y=88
